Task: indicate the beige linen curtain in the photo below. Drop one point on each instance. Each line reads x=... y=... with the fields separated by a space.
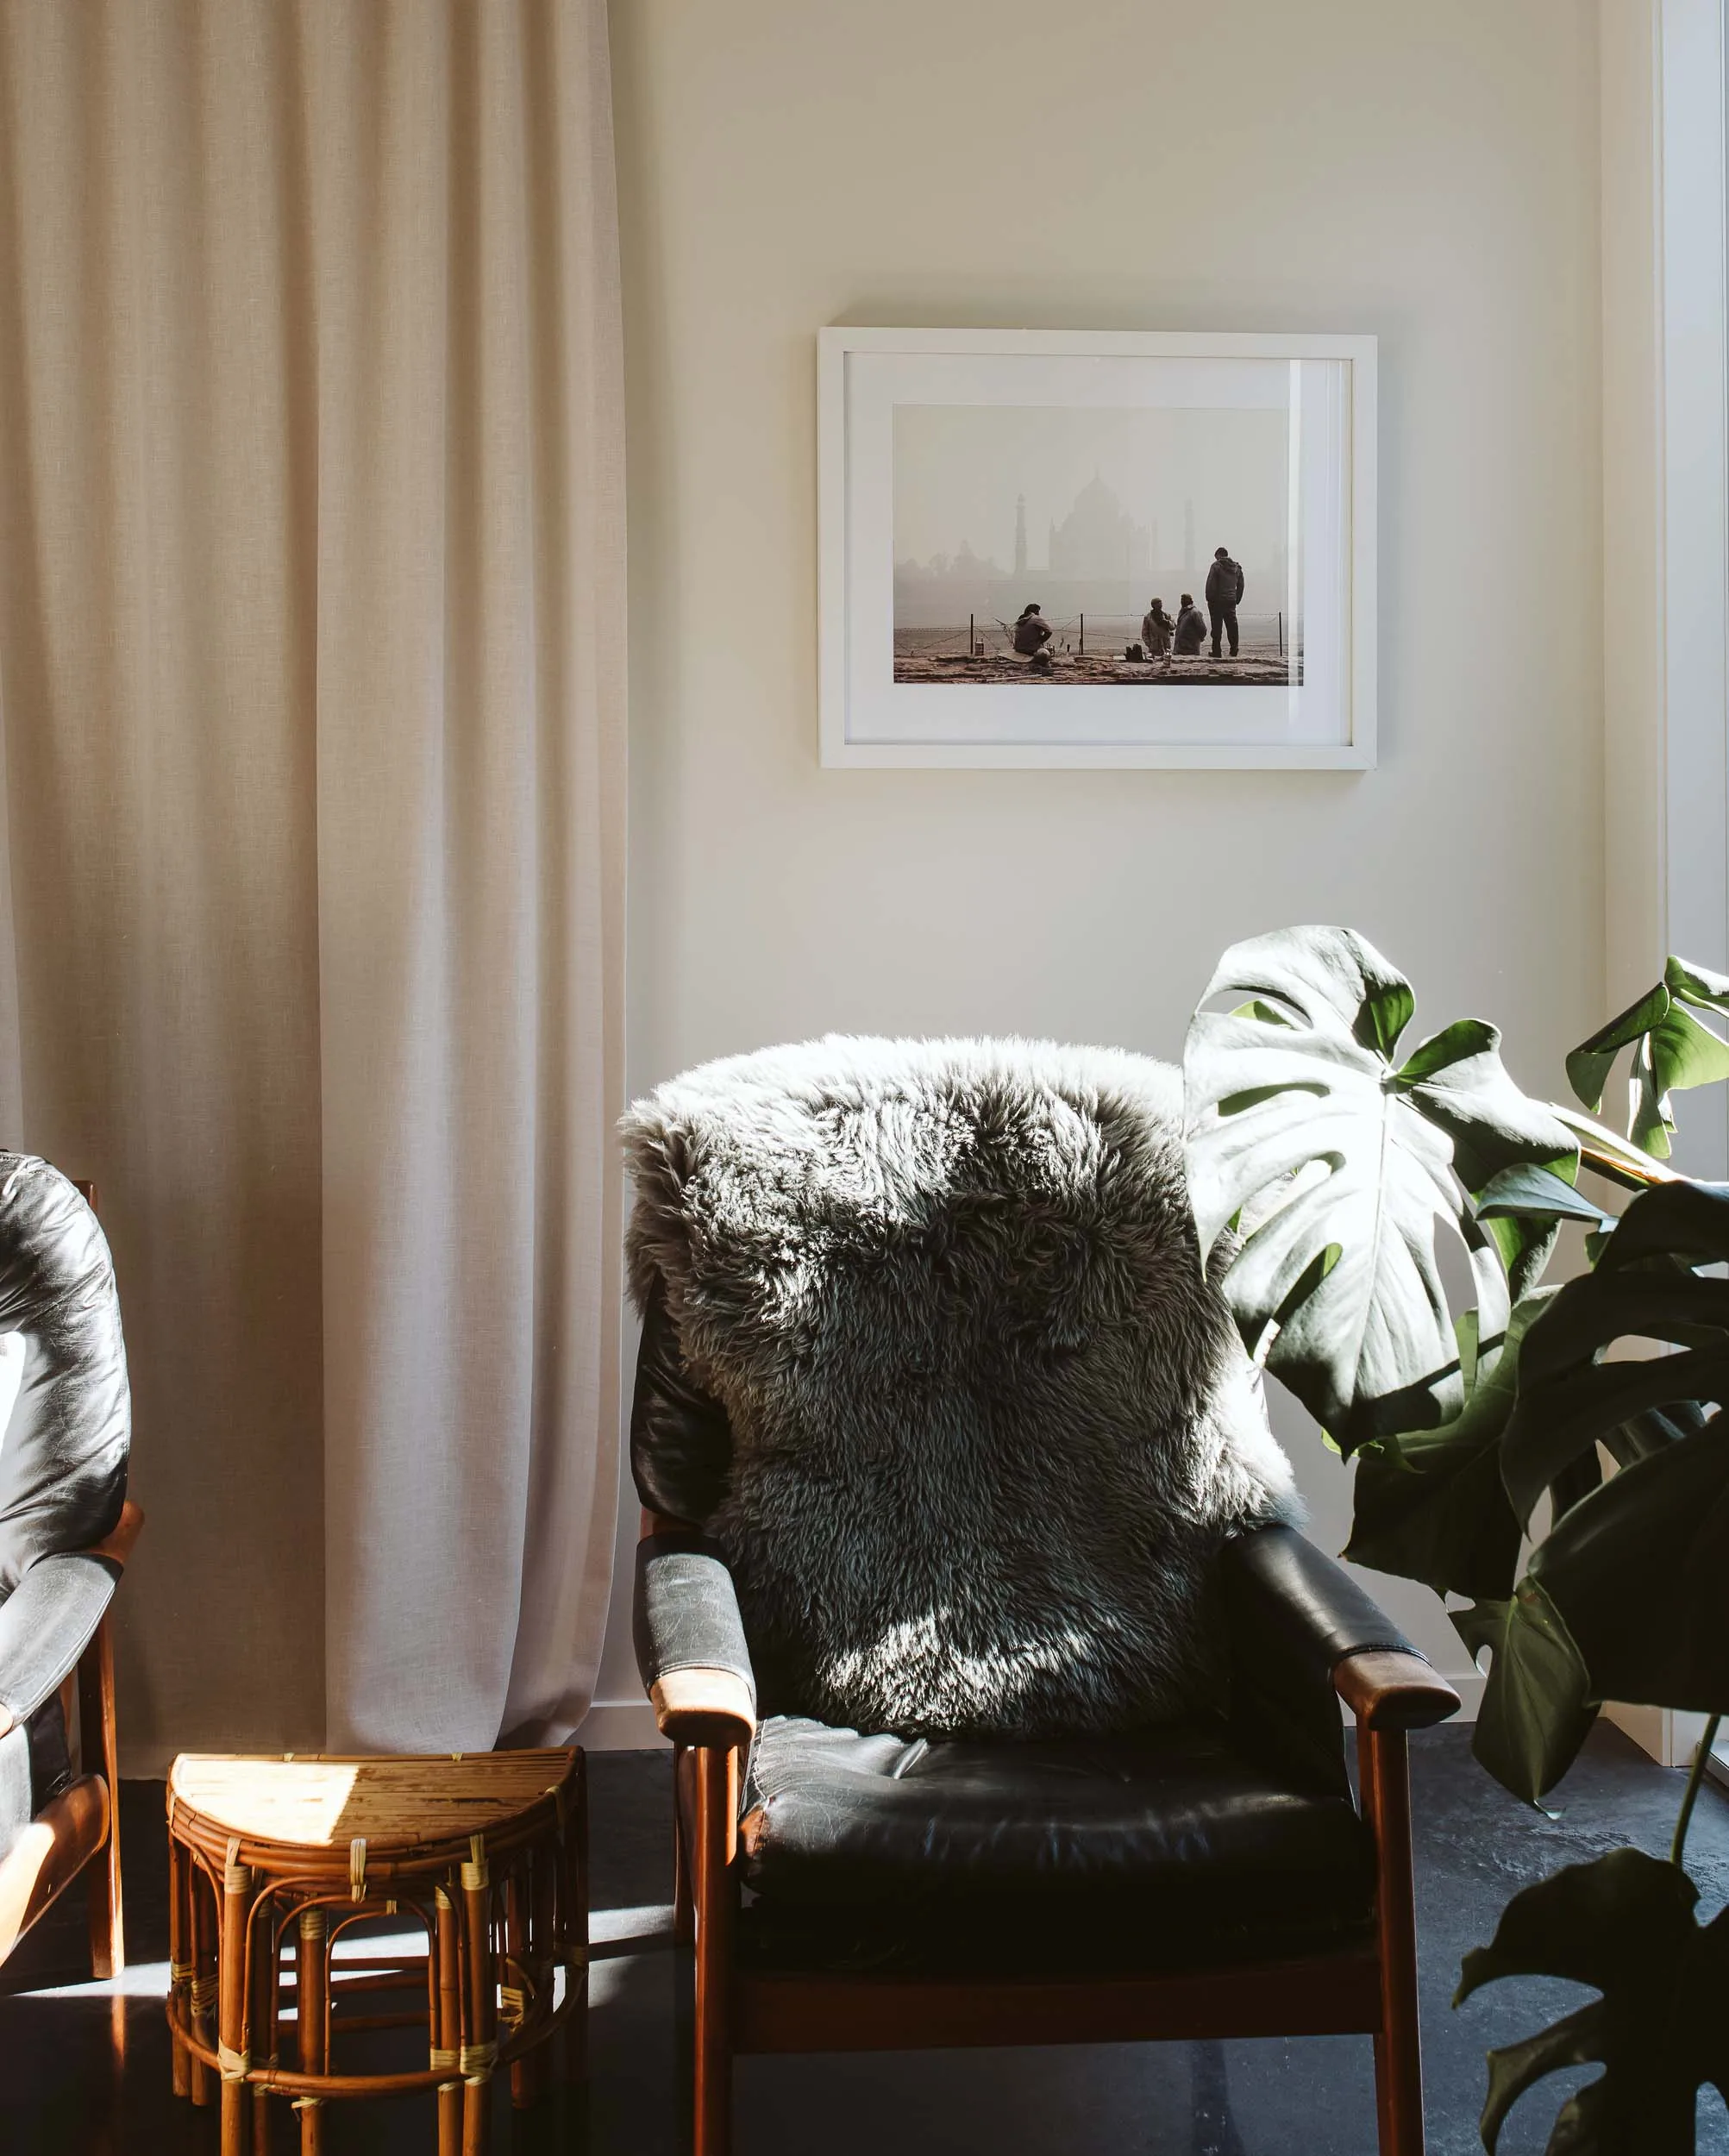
x=311 y=622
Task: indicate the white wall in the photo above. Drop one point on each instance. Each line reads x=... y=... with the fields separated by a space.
x=1428 y=175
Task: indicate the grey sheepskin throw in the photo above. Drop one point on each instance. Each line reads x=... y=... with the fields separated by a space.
x=991 y=1423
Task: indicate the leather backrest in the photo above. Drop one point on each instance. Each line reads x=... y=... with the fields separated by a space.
x=680 y=1439
x=63 y=1450
x=955 y=1395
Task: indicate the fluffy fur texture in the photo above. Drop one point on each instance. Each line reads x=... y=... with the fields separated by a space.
x=991 y=1423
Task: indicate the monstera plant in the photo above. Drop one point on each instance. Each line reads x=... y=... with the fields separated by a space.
x=1364 y=1182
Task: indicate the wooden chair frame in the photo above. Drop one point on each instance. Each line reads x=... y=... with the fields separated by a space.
x=1366 y=1989
x=82 y=1824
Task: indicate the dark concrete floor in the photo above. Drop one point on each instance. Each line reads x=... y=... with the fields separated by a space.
x=62 y=2093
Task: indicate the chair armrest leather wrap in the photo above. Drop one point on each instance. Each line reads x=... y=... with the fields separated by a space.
x=1293 y=1617
x=1281 y=1580
x=687 y=1618
x=47 y=1622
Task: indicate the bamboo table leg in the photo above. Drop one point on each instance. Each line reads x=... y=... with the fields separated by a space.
x=202 y=1998
x=180 y=1960
x=311 y=1998
x=261 y=2021
x=449 y=2028
x=478 y=2052
x=525 y=2072
x=576 y=1925
x=231 y=2049
x=543 y=1945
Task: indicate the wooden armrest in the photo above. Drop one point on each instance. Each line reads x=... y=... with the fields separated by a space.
x=1386 y=1690
x=116 y=1544
x=62 y=1838
x=704 y=1707
x=662 y=1523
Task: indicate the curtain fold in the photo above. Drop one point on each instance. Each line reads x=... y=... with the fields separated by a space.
x=311 y=612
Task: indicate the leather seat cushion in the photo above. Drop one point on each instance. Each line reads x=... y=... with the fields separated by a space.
x=1161 y=1847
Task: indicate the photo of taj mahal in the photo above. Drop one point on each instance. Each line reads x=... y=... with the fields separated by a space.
x=1079 y=546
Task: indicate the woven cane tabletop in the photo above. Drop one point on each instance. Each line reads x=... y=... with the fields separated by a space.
x=307 y=1800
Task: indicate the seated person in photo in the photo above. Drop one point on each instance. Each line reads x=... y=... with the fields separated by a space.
x=1190 y=628
x=1156 y=630
x=1032 y=632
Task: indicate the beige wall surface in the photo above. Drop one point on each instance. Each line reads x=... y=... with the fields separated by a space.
x=1426 y=175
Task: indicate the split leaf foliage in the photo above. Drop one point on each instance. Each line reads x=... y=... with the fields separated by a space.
x=1344 y=1169
x=1626 y=1926
x=1672 y=1050
x=1595 y=1415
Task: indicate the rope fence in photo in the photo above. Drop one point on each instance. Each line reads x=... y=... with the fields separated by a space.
x=984 y=637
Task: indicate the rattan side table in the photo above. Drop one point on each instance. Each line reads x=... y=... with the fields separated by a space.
x=271 y=1859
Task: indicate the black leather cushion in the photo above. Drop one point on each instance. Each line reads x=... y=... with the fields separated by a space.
x=1149 y=1850
x=63 y=1456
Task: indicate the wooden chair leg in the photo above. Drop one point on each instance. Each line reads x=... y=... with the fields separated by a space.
x=684 y=1923
x=99 y=1753
x=1384 y=1769
x=714 y=1892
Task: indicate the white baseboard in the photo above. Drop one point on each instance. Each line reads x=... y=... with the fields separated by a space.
x=1469 y=1684
x=620 y=1724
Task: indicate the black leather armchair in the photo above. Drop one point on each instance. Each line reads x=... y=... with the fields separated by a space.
x=66 y=1532
x=1208 y=1879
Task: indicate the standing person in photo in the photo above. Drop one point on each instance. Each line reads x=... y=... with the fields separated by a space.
x=1224 y=597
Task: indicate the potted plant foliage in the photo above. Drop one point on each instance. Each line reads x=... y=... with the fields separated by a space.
x=1343 y=1164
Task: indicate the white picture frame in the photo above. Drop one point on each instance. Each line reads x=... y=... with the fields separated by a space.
x=884 y=705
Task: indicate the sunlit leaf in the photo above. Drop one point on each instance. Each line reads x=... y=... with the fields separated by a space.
x=1672 y=1051
x=1338 y=1166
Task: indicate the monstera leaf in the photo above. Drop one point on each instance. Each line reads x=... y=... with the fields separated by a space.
x=1523 y=1208
x=1537 y=1707
x=1639 y=1571
x=1644 y=1287
x=1342 y=1168
x=1672 y=1050
x=1627 y=1596
x=1626 y=1926
x=1430 y=1505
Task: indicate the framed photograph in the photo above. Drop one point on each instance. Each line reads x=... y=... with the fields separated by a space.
x=1118 y=550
